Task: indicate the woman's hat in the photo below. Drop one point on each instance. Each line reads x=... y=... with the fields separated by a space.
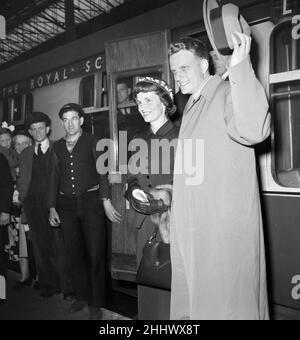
x=220 y=22
x=159 y=83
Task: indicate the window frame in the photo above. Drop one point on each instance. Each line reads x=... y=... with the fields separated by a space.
x=99 y=90
x=289 y=178
x=11 y=105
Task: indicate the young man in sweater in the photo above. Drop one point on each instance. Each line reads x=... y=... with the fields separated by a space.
x=78 y=199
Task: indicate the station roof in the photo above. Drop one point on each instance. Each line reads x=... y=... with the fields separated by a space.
x=31 y=24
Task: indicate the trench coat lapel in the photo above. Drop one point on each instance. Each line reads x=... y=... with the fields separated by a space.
x=195 y=108
x=207 y=92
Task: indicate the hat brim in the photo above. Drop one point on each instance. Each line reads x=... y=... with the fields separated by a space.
x=221 y=23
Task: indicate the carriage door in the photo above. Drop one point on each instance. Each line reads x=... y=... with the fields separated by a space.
x=127 y=60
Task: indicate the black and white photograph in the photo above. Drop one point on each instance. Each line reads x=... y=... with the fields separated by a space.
x=149 y=162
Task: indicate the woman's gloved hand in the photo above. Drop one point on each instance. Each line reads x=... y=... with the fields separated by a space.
x=148 y=205
x=152 y=206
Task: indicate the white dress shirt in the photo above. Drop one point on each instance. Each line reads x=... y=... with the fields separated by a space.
x=44 y=146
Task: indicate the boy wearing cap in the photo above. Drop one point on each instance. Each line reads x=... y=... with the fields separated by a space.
x=217 y=248
x=33 y=187
x=75 y=200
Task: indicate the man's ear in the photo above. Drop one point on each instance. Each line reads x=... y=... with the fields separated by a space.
x=129 y=91
x=48 y=130
x=204 y=64
x=29 y=131
x=81 y=121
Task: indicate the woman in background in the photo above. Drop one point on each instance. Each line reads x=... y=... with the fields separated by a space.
x=6 y=147
x=21 y=141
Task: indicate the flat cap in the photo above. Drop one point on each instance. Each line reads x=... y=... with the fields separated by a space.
x=37 y=117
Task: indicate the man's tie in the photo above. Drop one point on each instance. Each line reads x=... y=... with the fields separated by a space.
x=39 y=150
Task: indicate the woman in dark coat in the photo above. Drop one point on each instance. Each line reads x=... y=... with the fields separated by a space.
x=155 y=103
x=6 y=194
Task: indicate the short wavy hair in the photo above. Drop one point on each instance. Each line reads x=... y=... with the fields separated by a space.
x=5 y=131
x=198 y=47
x=145 y=86
x=71 y=107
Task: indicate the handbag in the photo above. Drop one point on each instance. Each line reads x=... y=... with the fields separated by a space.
x=155 y=266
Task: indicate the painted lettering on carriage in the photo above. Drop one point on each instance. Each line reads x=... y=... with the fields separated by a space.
x=116 y=330
x=286 y=11
x=289 y=8
x=48 y=79
x=97 y=64
x=296 y=288
x=90 y=65
x=286 y=7
x=10 y=91
x=296 y=28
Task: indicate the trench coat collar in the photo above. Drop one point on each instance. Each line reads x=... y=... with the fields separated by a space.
x=207 y=92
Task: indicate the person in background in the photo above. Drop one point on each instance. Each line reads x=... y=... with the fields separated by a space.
x=21 y=141
x=155 y=103
x=6 y=194
x=6 y=147
x=79 y=198
x=123 y=95
x=33 y=189
x=129 y=119
x=217 y=244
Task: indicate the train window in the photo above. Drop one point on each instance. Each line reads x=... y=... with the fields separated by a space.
x=28 y=104
x=104 y=98
x=87 y=90
x=6 y=114
x=285 y=105
x=287 y=56
x=93 y=91
x=97 y=123
x=15 y=109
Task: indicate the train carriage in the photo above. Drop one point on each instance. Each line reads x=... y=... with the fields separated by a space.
x=87 y=71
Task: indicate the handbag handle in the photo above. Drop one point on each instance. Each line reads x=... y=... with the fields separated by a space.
x=154 y=234
x=155 y=231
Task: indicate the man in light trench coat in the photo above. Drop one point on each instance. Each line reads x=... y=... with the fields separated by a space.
x=217 y=245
